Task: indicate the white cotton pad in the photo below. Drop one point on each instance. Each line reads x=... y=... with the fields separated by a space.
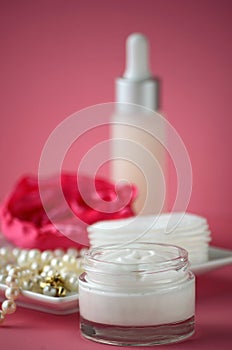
x=182 y=229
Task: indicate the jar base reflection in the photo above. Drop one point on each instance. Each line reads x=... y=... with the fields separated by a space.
x=137 y=336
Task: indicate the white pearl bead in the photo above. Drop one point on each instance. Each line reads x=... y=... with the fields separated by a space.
x=46 y=268
x=64 y=274
x=3 y=278
x=50 y=291
x=2 y=317
x=26 y=273
x=35 y=266
x=72 y=283
x=36 y=279
x=12 y=281
x=27 y=285
x=15 y=271
x=51 y=272
x=58 y=253
x=8 y=267
x=78 y=264
x=8 y=307
x=83 y=251
x=16 y=252
x=73 y=252
x=46 y=256
x=34 y=255
x=43 y=274
x=55 y=263
x=12 y=293
x=68 y=260
x=4 y=251
x=22 y=259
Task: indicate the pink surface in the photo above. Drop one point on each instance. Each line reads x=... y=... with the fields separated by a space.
x=60 y=56
x=37 y=331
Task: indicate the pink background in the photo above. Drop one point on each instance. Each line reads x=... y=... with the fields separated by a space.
x=58 y=57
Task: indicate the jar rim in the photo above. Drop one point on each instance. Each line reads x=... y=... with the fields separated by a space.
x=178 y=260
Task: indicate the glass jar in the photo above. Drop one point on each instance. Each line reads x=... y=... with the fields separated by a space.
x=139 y=294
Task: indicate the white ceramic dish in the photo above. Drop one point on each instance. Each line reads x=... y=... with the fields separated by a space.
x=58 y=306
x=218 y=257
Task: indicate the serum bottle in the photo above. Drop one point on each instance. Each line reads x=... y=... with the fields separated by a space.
x=136 y=130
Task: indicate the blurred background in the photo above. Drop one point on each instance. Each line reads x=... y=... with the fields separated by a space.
x=59 y=56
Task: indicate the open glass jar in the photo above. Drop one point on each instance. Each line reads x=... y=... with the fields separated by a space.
x=139 y=294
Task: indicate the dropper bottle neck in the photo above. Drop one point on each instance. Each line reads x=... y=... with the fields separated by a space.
x=137 y=86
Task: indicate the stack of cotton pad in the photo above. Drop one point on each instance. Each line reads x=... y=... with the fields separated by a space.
x=183 y=229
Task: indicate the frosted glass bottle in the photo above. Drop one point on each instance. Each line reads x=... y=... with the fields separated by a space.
x=137 y=132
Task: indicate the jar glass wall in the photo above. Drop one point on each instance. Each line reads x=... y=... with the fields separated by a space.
x=139 y=294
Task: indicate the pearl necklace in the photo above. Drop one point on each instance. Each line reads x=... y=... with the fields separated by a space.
x=52 y=273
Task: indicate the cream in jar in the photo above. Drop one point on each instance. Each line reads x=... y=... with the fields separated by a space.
x=139 y=294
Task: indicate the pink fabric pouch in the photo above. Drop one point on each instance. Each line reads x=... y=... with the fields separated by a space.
x=55 y=212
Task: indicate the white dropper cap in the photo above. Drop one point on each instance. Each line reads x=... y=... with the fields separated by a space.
x=137 y=60
x=137 y=85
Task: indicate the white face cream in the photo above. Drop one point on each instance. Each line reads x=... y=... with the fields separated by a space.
x=138 y=286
